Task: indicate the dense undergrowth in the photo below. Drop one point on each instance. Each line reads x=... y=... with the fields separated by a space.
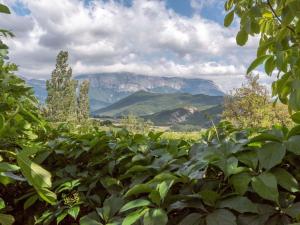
x=61 y=175
x=57 y=175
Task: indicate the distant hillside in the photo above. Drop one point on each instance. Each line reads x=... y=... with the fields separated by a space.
x=144 y=103
x=187 y=116
x=108 y=88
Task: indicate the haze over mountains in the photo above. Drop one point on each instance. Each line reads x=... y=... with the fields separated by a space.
x=166 y=101
x=108 y=88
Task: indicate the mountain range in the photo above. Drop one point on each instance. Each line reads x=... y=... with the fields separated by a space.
x=108 y=88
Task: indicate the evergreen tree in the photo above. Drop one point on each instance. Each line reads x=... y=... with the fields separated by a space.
x=83 y=101
x=61 y=100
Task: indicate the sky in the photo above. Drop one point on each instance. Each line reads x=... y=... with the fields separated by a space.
x=184 y=38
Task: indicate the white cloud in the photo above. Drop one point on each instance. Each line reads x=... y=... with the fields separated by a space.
x=109 y=37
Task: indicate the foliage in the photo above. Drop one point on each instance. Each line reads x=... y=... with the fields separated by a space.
x=250 y=107
x=62 y=103
x=278 y=24
x=61 y=100
x=228 y=177
x=83 y=101
x=135 y=124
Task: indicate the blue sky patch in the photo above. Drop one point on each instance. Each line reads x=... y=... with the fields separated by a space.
x=20 y=9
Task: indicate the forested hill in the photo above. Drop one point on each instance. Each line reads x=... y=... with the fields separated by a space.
x=144 y=103
x=108 y=88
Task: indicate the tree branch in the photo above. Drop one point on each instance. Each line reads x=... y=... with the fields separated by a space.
x=277 y=17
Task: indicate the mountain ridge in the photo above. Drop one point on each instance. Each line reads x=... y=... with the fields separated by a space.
x=108 y=88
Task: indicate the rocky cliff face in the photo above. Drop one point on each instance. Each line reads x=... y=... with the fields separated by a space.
x=108 y=88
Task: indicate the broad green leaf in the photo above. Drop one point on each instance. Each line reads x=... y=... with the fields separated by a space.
x=229 y=18
x=271 y=154
x=239 y=204
x=296 y=117
x=265 y=185
x=134 y=216
x=111 y=206
x=221 y=217
x=293 y=144
x=37 y=176
x=138 y=189
x=4 y=9
x=286 y=180
x=209 y=197
x=163 y=189
x=293 y=211
x=192 y=219
x=6 y=219
x=249 y=158
x=90 y=219
x=258 y=61
x=135 y=204
x=74 y=211
x=155 y=217
x=269 y=65
x=242 y=37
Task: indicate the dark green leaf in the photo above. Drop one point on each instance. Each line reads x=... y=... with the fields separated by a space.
x=286 y=180
x=239 y=204
x=242 y=37
x=221 y=217
x=192 y=219
x=265 y=185
x=134 y=204
x=155 y=217
x=271 y=154
x=258 y=61
x=293 y=144
x=4 y=9
x=229 y=18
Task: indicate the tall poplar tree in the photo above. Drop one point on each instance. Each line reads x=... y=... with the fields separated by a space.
x=61 y=101
x=83 y=101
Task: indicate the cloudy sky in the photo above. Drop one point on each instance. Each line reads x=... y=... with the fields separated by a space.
x=183 y=38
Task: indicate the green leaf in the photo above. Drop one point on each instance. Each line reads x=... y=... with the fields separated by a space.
x=74 y=211
x=2 y=204
x=209 y=197
x=4 y=9
x=286 y=180
x=296 y=117
x=229 y=18
x=163 y=189
x=37 y=176
x=138 y=189
x=270 y=65
x=265 y=185
x=30 y=201
x=61 y=217
x=90 y=219
x=271 y=154
x=293 y=211
x=221 y=217
x=257 y=62
x=134 y=204
x=239 y=204
x=134 y=216
x=7 y=167
x=192 y=219
x=242 y=37
x=155 y=217
x=293 y=144
x=6 y=219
